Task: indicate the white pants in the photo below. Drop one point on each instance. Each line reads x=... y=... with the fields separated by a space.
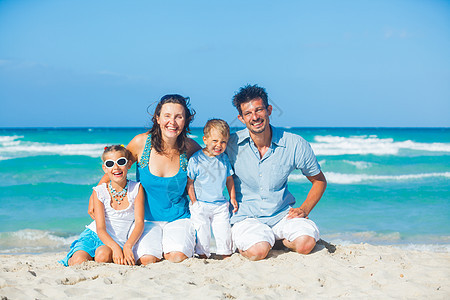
x=206 y=216
x=165 y=237
x=250 y=231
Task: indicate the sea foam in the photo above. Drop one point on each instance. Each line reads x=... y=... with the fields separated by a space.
x=33 y=241
x=339 y=178
x=364 y=145
x=12 y=147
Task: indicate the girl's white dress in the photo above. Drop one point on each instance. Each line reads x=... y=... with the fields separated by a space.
x=118 y=222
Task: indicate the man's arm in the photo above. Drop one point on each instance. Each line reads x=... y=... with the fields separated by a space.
x=319 y=184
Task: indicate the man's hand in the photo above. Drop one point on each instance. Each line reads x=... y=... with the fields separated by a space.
x=297 y=213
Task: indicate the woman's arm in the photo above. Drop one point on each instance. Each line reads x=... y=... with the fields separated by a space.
x=192 y=147
x=136 y=147
x=99 y=209
x=138 y=227
x=190 y=190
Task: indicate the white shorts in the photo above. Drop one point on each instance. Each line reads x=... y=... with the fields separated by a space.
x=206 y=216
x=251 y=231
x=165 y=237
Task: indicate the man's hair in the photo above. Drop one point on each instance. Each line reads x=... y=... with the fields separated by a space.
x=219 y=125
x=248 y=93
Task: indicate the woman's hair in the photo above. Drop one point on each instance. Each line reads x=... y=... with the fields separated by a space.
x=155 y=131
x=218 y=124
x=117 y=148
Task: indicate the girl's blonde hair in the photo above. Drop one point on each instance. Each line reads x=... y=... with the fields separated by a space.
x=114 y=148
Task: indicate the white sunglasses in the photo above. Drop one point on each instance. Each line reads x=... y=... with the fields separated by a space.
x=122 y=161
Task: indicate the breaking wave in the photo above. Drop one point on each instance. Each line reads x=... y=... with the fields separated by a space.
x=339 y=178
x=364 y=145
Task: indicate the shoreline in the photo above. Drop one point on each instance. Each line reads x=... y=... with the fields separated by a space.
x=330 y=271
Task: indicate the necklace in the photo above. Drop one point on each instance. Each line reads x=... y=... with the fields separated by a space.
x=118 y=196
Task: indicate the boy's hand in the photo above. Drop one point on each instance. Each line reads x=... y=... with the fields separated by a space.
x=235 y=205
x=128 y=254
x=118 y=256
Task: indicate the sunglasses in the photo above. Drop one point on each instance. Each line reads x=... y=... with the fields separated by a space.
x=109 y=163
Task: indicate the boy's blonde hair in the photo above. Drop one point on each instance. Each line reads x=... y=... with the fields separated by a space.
x=218 y=124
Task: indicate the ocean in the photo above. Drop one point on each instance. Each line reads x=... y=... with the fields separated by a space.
x=386 y=186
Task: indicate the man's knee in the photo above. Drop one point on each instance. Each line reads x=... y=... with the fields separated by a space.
x=303 y=244
x=257 y=252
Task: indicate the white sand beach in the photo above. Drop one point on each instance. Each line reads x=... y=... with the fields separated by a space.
x=352 y=271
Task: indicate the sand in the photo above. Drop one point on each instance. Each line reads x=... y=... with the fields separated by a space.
x=331 y=271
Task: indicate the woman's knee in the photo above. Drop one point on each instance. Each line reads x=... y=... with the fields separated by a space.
x=147 y=259
x=175 y=256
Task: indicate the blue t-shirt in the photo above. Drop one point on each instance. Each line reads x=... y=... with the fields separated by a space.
x=209 y=175
x=261 y=183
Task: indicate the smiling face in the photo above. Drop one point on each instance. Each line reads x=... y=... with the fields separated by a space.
x=117 y=174
x=255 y=115
x=215 y=143
x=171 y=120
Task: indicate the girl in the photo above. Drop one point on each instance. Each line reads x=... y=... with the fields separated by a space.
x=118 y=204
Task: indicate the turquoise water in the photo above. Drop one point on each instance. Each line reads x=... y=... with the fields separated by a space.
x=385 y=185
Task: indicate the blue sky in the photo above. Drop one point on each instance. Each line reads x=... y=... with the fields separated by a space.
x=323 y=63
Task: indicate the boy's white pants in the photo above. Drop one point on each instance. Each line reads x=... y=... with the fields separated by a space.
x=206 y=216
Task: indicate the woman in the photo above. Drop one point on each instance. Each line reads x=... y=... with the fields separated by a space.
x=161 y=155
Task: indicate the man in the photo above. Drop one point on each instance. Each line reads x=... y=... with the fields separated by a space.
x=263 y=156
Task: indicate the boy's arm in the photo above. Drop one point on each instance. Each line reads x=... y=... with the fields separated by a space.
x=232 y=192
x=138 y=227
x=99 y=209
x=191 y=190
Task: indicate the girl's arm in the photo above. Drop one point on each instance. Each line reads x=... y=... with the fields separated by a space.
x=99 y=209
x=232 y=192
x=190 y=190
x=91 y=209
x=138 y=227
x=136 y=147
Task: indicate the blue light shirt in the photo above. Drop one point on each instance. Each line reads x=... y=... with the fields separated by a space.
x=209 y=175
x=261 y=183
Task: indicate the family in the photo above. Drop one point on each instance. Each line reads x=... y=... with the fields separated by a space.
x=178 y=199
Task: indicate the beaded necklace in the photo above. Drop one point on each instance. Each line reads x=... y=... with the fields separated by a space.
x=118 y=196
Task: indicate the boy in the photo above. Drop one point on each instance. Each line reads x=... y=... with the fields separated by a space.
x=209 y=171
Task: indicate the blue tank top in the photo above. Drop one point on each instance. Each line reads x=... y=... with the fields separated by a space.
x=165 y=197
